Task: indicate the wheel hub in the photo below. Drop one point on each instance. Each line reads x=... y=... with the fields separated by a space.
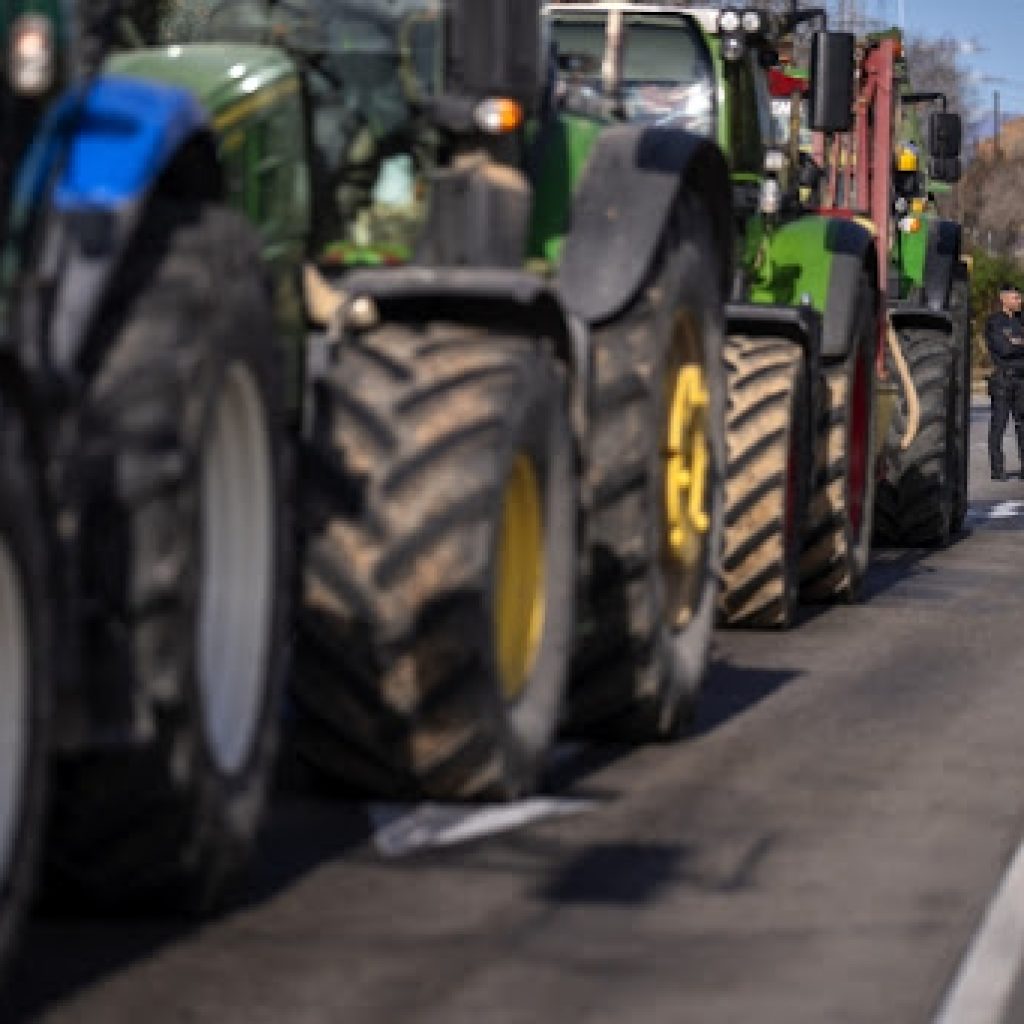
x=519 y=600
x=238 y=566
x=687 y=464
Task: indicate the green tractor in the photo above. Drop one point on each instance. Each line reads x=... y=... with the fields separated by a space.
x=803 y=313
x=514 y=446
x=146 y=485
x=498 y=321
x=922 y=498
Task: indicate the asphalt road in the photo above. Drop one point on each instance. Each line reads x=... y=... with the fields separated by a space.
x=823 y=850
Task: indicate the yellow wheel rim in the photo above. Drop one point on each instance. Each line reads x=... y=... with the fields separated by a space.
x=519 y=600
x=687 y=465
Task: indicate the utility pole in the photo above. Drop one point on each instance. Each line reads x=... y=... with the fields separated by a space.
x=997 y=127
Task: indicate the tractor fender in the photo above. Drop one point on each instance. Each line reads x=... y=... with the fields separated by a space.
x=853 y=251
x=906 y=317
x=515 y=299
x=626 y=197
x=86 y=182
x=941 y=260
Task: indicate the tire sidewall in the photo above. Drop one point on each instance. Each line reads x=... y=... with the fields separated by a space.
x=236 y=797
x=798 y=447
x=20 y=530
x=862 y=353
x=538 y=428
x=692 y=285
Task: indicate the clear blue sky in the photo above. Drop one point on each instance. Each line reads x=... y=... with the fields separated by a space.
x=996 y=26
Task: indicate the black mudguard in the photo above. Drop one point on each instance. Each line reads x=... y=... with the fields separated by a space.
x=853 y=252
x=941 y=260
x=513 y=299
x=904 y=316
x=626 y=196
x=76 y=253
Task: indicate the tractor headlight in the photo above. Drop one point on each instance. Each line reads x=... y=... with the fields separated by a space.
x=498 y=116
x=753 y=23
x=31 y=62
x=729 y=21
x=734 y=46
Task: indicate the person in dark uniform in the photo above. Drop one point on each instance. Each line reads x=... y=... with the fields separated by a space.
x=1004 y=336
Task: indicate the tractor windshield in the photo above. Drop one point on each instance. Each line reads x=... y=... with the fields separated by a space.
x=353 y=40
x=667 y=74
x=367 y=66
x=786 y=87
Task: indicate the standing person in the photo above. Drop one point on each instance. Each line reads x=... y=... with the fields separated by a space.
x=1004 y=336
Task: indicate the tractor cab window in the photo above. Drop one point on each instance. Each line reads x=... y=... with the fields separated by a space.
x=366 y=68
x=667 y=75
x=750 y=118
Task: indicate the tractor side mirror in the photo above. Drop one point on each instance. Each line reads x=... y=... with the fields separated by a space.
x=945 y=135
x=947 y=170
x=494 y=50
x=832 y=80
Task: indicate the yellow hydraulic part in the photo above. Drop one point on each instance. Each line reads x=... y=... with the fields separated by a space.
x=908 y=159
x=688 y=463
x=519 y=598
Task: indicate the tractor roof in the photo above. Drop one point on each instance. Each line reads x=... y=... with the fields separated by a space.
x=706 y=17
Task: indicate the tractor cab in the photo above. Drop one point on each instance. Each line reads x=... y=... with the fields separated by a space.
x=665 y=70
x=367 y=71
x=711 y=72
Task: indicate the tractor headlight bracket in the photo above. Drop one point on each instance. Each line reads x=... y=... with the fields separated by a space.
x=740 y=29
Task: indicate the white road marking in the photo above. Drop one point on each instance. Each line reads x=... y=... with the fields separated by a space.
x=402 y=829
x=985 y=980
x=1002 y=510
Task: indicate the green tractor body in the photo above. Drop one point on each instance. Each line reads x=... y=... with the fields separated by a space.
x=891 y=172
x=475 y=353
x=922 y=498
x=803 y=308
x=258 y=122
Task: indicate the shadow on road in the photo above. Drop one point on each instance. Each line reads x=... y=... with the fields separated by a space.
x=65 y=953
x=733 y=690
x=891 y=567
x=618 y=873
x=633 y=873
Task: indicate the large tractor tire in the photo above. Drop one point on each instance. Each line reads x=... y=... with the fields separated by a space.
x=837 y=537
x=960 y=307
x=25 y=646
x=768 y=450
x=439 y=570
x=186 y=555
x=917 y=500
x=656 y=465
